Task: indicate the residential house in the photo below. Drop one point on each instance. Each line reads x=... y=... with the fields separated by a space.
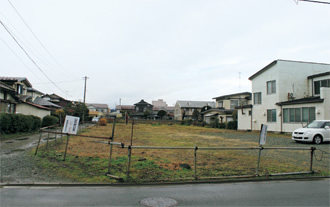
x=225 y=106
x=185 y=109
x=287 y=95
x=143 y=109
x=97 y=109
x=56 y=99
x=8 y=99
x=122 y=109
x=161 y=107
x=34 y=93
x=17 y=98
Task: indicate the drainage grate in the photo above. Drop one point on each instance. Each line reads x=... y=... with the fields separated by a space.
x=158 y=202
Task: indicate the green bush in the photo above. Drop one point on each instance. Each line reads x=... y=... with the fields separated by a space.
x=232 y=125
x=215 y=123
x=222 y=125
x=14 y=123
x=49 y=120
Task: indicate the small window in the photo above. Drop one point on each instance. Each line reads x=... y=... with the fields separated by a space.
x=271 y=87
x=271 y=115
x=234 y=103
x=257 y=98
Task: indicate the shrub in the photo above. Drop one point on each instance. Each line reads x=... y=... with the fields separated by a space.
x=222 y=125
x=49 y=120
x=14 y=123
x=103 y=122
x=232 y=125
x=215 y=123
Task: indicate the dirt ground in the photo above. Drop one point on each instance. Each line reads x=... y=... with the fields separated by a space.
x=17 y=166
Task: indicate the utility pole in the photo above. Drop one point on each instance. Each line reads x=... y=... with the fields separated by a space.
x=85 y=88
x=83 y=116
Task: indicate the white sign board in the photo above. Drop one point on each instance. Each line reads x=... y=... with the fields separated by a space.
x=263 y=134
x=71 y=124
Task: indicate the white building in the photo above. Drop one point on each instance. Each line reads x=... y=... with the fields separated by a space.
x=287 y=95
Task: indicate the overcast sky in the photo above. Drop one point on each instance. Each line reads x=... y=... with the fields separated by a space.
x=156 y=49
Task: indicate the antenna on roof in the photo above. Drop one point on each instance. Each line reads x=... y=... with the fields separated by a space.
x=239 y=81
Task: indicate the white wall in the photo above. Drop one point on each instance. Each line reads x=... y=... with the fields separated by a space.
x=244 y=120
x=291 y=77
x=31 y=110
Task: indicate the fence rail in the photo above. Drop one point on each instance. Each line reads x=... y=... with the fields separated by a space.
x=194 y=155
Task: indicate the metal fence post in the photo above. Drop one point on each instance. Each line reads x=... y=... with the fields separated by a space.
x=38 y=144
x=196 y=148
x=47 y=141
x=312 y=154
x=110 y=158
x=55 y=137
x=129 y=161
x=66 y=147
x=259 y=156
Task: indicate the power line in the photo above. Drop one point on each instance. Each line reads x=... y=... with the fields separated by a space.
x=31 y=57
x=25 y=23
x=320 y=2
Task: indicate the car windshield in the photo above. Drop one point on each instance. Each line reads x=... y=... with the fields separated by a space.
x=315 y=124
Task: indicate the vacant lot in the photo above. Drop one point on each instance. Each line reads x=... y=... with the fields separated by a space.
x=87 y=158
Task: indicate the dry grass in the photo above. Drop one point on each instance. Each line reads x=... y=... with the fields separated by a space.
x=158 y=164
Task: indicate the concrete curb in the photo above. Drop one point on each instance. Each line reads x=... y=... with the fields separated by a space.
x=157 y=183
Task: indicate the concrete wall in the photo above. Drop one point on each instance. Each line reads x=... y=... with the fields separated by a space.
x=31 y=110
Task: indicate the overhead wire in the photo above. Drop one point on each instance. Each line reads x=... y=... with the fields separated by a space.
x=32 y=60
x=43 y=46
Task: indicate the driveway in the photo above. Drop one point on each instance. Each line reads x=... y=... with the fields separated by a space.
x=17 y=165
x=274 y=193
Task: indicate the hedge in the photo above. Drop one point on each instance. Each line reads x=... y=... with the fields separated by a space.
x=49 y=121
x=14 y=123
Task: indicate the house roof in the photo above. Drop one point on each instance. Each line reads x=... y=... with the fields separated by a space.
x=6 y=87
x=274 y=63
x=307 y=100
x=98 y=106
x=195 y=104
x=55 y=96
x=318 y=75
x=218 y=111
x=34 y=90
x=125 y=107
x=247 y=94
x=43 y=102
x=142 y=102
x=37 y=106
x=16 y=79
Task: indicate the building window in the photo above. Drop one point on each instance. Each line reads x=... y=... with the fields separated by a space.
x=234 y=103
x=20 y=89
x=220 y=104
x=257 y=98
x=319 y=84
x=308 y=114
x=296 y=115
x=271 y=115
x=271 y=87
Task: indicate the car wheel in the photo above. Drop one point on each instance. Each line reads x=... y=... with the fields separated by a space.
x=317 y=139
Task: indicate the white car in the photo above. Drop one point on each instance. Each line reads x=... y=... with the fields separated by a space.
x=317 y=131
x=95 y=119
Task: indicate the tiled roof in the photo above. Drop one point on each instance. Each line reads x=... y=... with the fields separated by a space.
x=6 y=87
x=125 y=107
x=99 y=106
x=247 y=94
x=43 y=102
x=195 y=104
x=16 y=79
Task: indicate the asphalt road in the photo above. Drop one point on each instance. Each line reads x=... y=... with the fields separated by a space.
x=274 y=193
